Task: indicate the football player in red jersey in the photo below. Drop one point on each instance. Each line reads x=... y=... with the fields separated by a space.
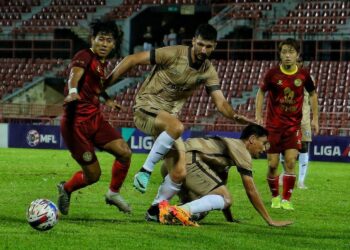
x=83 y=127
x=285 y=85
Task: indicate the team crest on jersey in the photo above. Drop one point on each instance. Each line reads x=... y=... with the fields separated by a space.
x=297 y=82
x=87 y=156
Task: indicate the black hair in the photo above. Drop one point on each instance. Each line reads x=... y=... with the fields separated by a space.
x=291 y=42
x=105 y=26
x=207 y=32
x=253 y=129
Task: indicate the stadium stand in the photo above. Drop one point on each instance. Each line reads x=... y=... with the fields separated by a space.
x=239 y=79
x=314 y=17
x=15 y=72
x=239 y=76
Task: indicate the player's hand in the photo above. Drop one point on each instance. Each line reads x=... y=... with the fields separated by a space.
x=114 y=105
x=72 y=97
x=280 y=223
x=315 y=126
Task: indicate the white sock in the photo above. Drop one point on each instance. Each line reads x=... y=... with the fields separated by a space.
x=303 y=165
x=205 y=204
x=161 y=146
x=166 y=190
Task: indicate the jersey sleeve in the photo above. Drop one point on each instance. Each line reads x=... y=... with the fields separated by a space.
x=239 y=154
x=309 y=83
x=81 y=59
x=212 y=82
x=264 y=84
x=164 y=56
x=244 y=171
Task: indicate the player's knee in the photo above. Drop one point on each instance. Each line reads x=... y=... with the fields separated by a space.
x=176 y=130
x=178 y=174
x=125 y=153
x=289 y=162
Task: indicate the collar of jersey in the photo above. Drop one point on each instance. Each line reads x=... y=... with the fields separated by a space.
x=192 y=65
x=289 y=72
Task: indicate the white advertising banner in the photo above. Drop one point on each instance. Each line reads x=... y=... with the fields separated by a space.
x=4 y=135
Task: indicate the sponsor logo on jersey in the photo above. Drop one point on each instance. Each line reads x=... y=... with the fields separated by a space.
x=297 y=82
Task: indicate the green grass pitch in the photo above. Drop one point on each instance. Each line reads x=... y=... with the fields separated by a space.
x=321 y=216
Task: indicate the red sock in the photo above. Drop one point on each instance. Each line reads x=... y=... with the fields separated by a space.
x=119 y=172
x=77 y=181
x=273 y=184
x=288 y=186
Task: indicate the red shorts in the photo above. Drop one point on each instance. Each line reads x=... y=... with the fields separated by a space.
x=81 y=138
x=283 y=139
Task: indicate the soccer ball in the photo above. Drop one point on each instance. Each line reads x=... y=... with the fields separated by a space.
x=42 y=214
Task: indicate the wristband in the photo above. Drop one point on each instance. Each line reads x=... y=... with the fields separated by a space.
x=73 y=90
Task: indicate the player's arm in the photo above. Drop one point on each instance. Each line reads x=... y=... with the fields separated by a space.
x=259 y=101
x=226 y=109
x=256 y=201
x=314 y=109
x=110 y=102
x=126 y=64
x=75 y=75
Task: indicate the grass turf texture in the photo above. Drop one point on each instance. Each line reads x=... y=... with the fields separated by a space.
x=320 y=216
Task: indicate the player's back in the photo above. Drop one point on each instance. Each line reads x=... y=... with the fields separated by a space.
x=220 y=153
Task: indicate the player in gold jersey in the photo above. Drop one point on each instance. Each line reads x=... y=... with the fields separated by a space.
x=208 y=161
x=178 y=71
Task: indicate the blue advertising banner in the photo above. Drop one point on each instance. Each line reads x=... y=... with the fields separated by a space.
x=323 y=148
x=330 y=148
x=139 y=142
x=34 y=136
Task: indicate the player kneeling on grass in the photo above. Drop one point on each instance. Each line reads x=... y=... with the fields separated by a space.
x=208 y=161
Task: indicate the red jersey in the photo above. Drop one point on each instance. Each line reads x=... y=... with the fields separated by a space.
x=89 y=86
x=285 y=97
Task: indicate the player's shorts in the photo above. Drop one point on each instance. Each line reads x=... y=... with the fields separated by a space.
x=283 y=139
x=306 y=132
x=81 y=138
x=200 y=179
x=144 y=119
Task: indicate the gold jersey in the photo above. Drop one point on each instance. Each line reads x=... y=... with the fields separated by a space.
x=173 y=79
x=220 y=153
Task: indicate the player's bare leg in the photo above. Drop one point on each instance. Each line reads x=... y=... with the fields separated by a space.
x=169 y=129
x=120 y=149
